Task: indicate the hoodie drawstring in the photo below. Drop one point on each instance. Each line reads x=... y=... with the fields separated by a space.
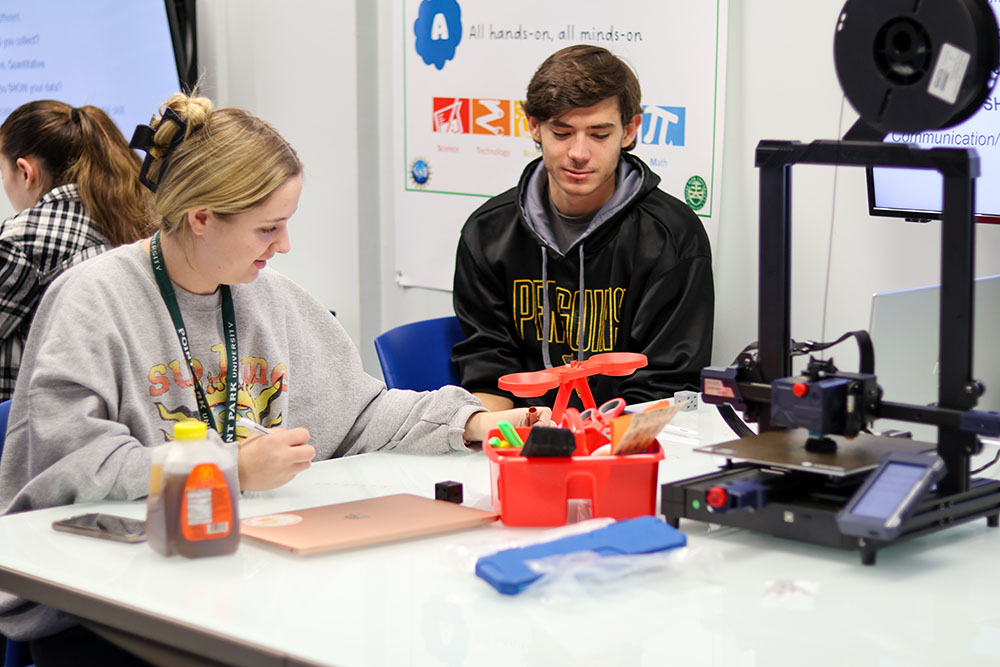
x=583 y=311
x=546 y=316
x=547 y=313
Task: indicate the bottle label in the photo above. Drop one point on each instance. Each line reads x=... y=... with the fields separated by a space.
x=155 y=480
x=206 y=508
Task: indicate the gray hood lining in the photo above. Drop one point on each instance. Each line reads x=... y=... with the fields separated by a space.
x=628 y=183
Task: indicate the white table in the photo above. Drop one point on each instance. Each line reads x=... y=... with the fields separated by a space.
x=729 y=599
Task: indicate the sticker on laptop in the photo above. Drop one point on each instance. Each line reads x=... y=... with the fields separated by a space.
x=273 y=520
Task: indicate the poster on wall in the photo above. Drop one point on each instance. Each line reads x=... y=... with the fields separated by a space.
x=461 y=136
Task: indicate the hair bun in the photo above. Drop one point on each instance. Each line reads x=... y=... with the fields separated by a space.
x=195 y=111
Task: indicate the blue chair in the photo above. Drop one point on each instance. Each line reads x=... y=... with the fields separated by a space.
x=418 y=355
x=15 y=654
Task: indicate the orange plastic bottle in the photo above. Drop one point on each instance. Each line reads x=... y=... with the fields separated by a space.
x=193 y=504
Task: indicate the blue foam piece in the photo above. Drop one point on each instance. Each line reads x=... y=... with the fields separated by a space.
x=508 y=572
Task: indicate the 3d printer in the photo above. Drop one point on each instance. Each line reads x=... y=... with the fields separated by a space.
x=813 y=473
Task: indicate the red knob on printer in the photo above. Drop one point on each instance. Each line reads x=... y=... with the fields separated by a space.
x=716 y=497
x=800 y=389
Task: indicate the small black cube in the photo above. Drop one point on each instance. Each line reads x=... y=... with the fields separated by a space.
x=450 y=491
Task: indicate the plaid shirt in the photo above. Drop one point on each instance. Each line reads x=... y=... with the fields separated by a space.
x=36 y=245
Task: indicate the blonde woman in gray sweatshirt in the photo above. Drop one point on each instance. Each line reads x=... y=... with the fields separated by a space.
x=192 y=324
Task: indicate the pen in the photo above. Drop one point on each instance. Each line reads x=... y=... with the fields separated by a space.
x=679 y=430
x=252 y=426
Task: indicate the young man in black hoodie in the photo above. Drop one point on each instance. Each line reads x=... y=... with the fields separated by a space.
x=586 y=218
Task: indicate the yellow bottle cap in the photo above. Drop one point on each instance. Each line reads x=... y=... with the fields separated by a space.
x=190 y=429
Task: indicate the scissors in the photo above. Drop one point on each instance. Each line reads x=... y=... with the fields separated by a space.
x=600 y=418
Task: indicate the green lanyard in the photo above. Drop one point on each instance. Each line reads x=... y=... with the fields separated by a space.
x=229 y=325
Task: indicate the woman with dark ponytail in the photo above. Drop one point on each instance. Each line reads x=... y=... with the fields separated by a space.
x=70 y=173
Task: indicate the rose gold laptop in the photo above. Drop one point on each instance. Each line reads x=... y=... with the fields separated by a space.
x=361 y=523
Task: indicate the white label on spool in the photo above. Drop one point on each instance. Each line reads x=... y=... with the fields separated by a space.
x=948 y=73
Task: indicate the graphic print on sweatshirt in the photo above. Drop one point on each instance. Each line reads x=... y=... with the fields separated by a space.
x=260 y=386
x=601 y=317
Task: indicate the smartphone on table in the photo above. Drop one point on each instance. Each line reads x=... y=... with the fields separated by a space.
x=106 y=526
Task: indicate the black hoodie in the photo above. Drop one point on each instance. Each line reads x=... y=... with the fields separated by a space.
x=646 y=273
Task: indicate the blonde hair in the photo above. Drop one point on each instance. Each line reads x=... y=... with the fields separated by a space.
x=85 y=147
x=229 y=161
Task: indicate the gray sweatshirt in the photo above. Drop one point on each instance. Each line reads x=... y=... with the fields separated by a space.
x=103 y=379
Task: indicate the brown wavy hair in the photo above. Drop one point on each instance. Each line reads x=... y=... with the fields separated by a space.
x=85 y=147
x=581 y=76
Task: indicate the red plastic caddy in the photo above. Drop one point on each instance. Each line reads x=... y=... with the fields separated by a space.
x=536 y=491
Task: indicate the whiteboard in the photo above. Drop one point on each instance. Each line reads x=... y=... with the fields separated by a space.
x=460 y=136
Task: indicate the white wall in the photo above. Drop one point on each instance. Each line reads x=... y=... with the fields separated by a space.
x=319 y=72
x=295 y=65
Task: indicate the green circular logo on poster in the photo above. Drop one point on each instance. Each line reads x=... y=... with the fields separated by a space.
x=696 y=192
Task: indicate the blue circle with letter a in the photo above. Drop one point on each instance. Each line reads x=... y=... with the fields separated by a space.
x=438 y=29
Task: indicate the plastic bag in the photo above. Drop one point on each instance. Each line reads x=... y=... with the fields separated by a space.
x=589 y=573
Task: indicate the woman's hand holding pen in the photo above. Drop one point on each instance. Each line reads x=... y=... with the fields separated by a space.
x=481 y=423
x=270 y=460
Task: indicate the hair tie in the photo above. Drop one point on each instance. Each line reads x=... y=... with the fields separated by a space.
x=75 y=115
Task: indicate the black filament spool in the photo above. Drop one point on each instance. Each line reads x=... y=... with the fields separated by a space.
x=888 y=55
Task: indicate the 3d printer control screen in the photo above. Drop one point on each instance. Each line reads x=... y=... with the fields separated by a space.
x=888 y=490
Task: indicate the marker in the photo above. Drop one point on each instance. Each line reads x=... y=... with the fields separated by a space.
x=509 y=434
x=533 y=416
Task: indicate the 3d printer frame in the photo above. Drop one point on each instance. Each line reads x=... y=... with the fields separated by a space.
x=803 y=505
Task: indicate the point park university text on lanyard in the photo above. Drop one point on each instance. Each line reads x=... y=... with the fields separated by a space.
x=229 y=326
